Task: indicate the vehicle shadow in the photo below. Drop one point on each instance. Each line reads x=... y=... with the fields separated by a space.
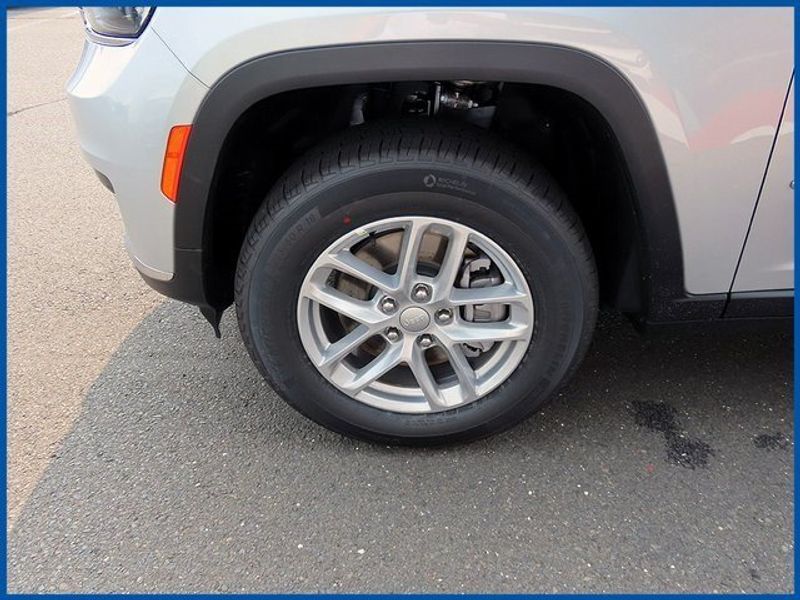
x=185 y=472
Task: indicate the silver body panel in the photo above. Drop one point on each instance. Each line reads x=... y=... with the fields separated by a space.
x=712 y=79
x=768 y=259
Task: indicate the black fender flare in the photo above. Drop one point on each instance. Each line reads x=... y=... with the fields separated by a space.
x=578 y=72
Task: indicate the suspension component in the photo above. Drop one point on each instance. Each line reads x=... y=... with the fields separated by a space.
x=456 y=100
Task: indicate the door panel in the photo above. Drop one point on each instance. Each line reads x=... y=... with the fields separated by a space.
x=768 y=260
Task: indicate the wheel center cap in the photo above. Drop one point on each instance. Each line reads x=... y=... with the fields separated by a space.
x=415 y=319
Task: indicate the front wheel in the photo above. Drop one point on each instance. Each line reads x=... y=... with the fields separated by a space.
x=416 y=283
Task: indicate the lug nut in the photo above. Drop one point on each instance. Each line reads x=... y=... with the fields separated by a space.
x=425 y=341
x=444 y=315
x=392 y=334
x=388 y=305
x=421 y=293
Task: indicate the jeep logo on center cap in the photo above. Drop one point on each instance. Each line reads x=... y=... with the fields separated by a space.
x=414 y=319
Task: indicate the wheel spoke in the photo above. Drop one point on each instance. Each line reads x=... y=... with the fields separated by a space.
x=505 y=293
x=453 y=257
x=463 y=370
x=358 y=310
x=465 y=332
x=347 y=262
x=409 y=250
x=427 y=383
x=380 y=365
x=334 y=353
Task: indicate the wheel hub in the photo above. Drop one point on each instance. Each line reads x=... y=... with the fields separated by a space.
x=415 y=319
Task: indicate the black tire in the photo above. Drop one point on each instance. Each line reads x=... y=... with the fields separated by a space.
x=373 y=172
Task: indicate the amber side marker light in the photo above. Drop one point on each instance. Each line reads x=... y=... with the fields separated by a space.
x=173 y=160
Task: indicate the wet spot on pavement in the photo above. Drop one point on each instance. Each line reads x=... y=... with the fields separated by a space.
x=682 y=450
x=655 y=416
x=687 y=452
x=771 y=441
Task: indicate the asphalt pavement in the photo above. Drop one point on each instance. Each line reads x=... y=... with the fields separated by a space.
x=147 y=456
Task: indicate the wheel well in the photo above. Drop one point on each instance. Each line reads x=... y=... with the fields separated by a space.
x=561 y=130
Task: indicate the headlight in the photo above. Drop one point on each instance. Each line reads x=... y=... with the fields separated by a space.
x=115 y=24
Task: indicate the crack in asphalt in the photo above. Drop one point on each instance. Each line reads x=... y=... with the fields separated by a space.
x=32 y=106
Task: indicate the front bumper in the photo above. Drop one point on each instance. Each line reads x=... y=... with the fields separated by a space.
x=124 y=100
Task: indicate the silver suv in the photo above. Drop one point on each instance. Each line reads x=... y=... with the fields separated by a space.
x=417 y=212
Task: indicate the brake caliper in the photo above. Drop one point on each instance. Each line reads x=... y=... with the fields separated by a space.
x=480 y=272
